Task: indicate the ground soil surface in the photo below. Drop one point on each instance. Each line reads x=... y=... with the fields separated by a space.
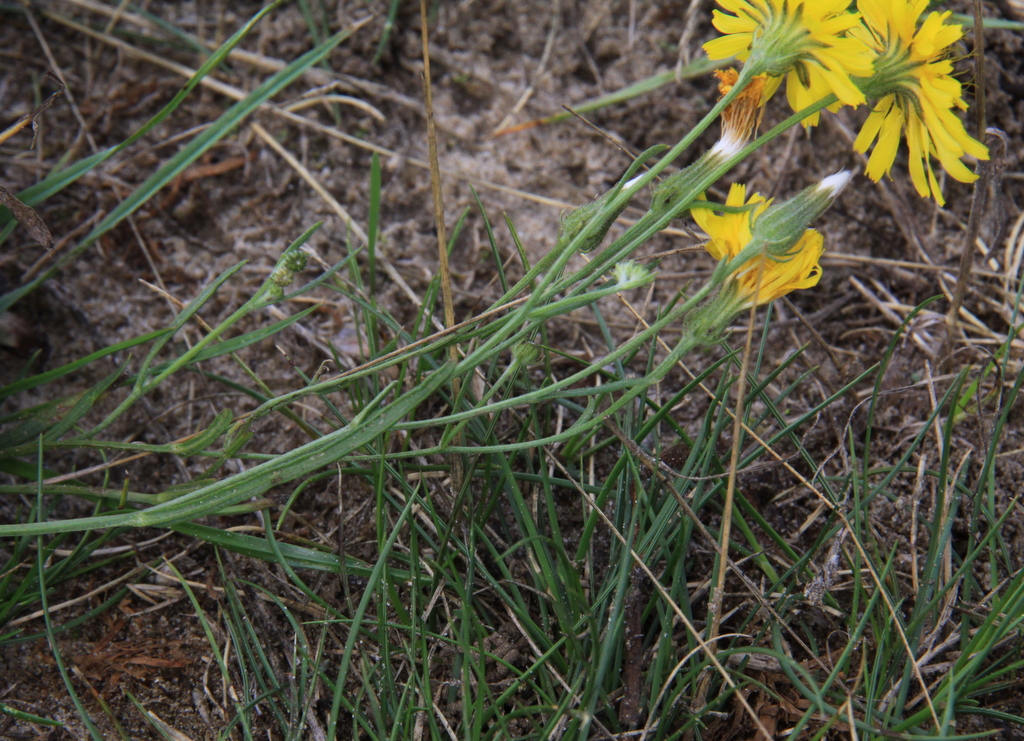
x=495 y=63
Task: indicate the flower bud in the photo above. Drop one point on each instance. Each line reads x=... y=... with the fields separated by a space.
x=780 y=227
x=525 y=353
x=630 y=274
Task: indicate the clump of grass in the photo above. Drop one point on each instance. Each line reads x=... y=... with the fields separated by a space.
x=574 y=579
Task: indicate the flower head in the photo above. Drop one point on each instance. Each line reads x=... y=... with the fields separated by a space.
x=732 y=231
x=804 y=40
x=917 y=94
x=765 y=277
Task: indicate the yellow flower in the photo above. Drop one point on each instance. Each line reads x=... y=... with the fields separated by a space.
x=804 y=40
x=918 y=95
x=763 y=278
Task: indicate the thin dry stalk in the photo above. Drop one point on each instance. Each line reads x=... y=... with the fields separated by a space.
x=979 y=204
x=442 y=236
x=31 y=116
x=722 y=562
x=435 y=180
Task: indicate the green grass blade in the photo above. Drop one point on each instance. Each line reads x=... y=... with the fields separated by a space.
x=41 y=554
x=259 y=479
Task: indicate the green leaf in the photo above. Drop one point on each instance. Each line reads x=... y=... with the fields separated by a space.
x=254 y=482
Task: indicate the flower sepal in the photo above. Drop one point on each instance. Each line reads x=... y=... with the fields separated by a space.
x=707 y=325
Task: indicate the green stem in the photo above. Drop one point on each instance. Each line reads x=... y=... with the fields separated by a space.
x=707 y=175
x=550 y=390
x=555 y=261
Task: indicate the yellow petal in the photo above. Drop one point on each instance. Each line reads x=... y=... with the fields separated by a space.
x=732 y=24
x=888 y=142
x=871 y=126
x=917 y=157
x=934 y=184
x=736 y=45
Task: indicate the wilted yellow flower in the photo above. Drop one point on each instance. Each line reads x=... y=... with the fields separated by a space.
x=764 y=277
x=803 y=40
x=917 y=92
x=743 y=115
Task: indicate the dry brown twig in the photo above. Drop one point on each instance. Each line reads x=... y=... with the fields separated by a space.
x=23 y=213
x=989 y=176
x=442 y=237
x=31 y=118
